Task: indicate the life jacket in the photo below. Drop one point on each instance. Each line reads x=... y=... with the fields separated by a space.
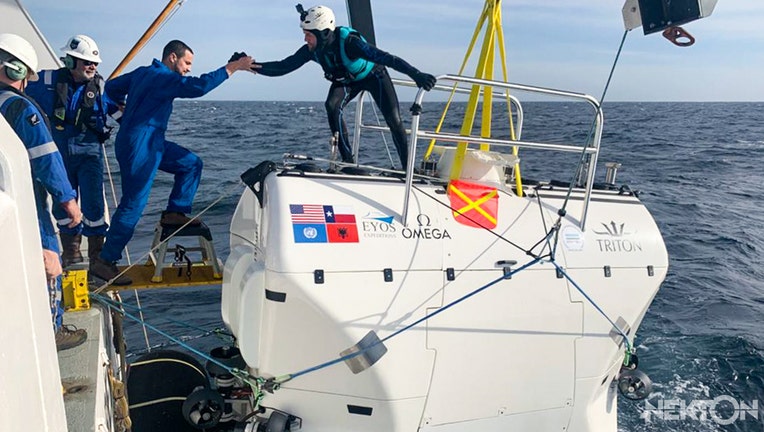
x=335 y=62
x=83 y=118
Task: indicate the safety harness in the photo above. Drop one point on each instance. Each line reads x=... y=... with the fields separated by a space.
x=83 y=118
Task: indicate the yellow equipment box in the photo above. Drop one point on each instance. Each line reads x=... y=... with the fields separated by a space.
x=75 y=288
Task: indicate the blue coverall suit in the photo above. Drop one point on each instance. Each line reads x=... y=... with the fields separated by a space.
x=141 y=147
x=48 y=173
x=80 y=148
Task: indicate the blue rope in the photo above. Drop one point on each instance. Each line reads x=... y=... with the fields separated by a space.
x=553 y=252
x=182 y=323
x=256 y=383
x=424 y=318
x=274 y=383
x=625 y=338
x=116 y=306
x=171 y=344
x=590 y=138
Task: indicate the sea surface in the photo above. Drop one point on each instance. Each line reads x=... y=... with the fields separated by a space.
x=698 y=167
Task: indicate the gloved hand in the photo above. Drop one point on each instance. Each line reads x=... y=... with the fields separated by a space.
x=104 y=135
x=239 y=61
x=424 y=80
x=236 y=56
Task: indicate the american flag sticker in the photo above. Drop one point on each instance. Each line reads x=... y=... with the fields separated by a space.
x=318 y=223
x=307 y=213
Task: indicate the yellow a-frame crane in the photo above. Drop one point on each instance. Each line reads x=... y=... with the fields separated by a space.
x=490 y=26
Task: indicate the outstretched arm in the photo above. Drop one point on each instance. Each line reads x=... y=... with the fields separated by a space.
x=183 y=86
x=357 y=48
x=283 y=67
x=193 y=87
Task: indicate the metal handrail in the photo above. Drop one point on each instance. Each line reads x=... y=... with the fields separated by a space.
x=518 y=109
x=592 y=150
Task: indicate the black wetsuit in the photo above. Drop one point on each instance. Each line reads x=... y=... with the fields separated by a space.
x=343 y=90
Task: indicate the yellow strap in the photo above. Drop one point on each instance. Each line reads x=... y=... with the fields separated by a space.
x=475 y=36
x=474 y=99
x=513 y=137
x=493 y=35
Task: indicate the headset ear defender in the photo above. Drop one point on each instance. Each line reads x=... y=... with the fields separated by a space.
x=69 y=62
x=15 y=70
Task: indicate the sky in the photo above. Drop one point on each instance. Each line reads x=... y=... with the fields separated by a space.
x=562 y=44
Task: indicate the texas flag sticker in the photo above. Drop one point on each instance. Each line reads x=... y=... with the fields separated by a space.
x=318 y=223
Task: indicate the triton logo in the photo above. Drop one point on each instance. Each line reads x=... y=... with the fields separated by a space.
x=613 y=230
x=620 y=240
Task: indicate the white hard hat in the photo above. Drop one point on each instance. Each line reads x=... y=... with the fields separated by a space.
x=82 y=47
x=318 y=18
x=18 y=47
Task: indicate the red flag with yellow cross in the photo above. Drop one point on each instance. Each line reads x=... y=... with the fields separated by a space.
x=474 y=204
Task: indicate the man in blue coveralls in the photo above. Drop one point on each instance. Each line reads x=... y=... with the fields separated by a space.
x=18 y=62
x=141 y=147
x=72 y=98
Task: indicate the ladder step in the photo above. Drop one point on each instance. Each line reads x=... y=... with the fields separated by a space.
x=181 y=260
x=142 y=278
x=201 y=230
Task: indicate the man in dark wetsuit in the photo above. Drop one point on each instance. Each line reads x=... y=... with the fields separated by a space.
x=352 y=65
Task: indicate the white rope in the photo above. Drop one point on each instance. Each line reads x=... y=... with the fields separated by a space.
x=127 y=252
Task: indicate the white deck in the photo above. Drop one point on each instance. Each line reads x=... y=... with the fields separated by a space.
x=84 y=373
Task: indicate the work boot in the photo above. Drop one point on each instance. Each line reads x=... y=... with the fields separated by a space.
x=95 y=244
x=71 y=249
x=107 y=271
x=171 y=218
x=69 y=336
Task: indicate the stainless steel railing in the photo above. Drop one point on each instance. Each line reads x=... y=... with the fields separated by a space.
x=590 y=151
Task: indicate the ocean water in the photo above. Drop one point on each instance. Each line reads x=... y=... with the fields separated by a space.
x=697 y=167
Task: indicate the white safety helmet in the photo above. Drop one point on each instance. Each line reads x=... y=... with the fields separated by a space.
x=82 y=47
x=318 y=18
x=18 y=47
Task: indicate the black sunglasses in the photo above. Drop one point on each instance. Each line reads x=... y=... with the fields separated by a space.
x=88 y=62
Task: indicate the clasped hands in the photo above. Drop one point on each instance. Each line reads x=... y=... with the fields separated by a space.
x=241 y=61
